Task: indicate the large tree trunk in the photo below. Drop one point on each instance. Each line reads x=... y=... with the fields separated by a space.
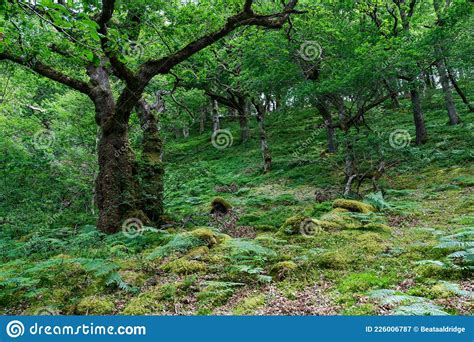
x=115 y=185
x=448 y=97
x=421 y=135
x=115 y=189
x=266 y=156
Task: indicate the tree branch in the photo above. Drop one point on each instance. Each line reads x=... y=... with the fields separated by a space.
x=247 y=17
x=49 y=72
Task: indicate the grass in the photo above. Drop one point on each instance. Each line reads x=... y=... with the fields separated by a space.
x=428 y=195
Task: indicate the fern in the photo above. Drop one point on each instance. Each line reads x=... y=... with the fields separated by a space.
x=420 y=309
x=376 y=199
x=454 y=288
x=180 y=243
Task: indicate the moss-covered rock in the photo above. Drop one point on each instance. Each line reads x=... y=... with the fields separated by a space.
x=249 y=305
x=132 y=278
x=184 y=266
x=205 y=235
x=264 y=228
x=333 y=259
x=292 y=225
x=220 y=206
x=354 y=206
x=371 y=243
x=198 y=252
x=282 y=269
x=95 y=306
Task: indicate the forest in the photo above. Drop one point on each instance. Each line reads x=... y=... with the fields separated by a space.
x=236 y=157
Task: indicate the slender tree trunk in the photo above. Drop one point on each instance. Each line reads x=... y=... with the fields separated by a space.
x=349 y=166
x=421 y=135
x=266 y=155
x=186 y=132
x=243 y=121
x=461 y=94
x=202 y=121
x=215 y=116
x=326 y=115
x=393 y=93
x=448 y=97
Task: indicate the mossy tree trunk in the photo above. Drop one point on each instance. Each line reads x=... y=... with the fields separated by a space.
x=418 y=118
x=266 y=155
x=150 y=170
x=324 y=111
x=448 y=96
x=215 y=116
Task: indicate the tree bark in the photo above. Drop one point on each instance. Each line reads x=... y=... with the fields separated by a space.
x=448 y=97
x=202 y=121
x=215 y=116
x=421 y=135
x=243 y=121
x=266 y=155
x=115 y=188
x=326 y=115
x=150 y=166
x=461 y=94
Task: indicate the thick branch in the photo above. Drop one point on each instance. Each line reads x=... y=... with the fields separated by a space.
x=151 y=68
x=49 y=72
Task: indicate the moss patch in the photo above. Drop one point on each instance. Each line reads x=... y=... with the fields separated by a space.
x=95 y=306
x=354 y=206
